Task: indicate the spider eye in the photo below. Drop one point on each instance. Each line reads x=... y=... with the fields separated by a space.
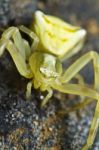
x=48 y=73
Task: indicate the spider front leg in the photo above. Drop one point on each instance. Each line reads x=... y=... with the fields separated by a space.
x=16 y=50
x=32 y=35
x=84 y=91
x=70 y=73
x=79 y=64
x=13 y=33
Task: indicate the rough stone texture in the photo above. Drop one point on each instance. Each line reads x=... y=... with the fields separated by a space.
x=23 y=124
x=5 y=12
x=14 y=12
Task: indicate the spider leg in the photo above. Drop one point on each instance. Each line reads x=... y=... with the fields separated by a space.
x=48 y=96
x=91 y=93
x=4 y=39
x=12 y=33
x=80 y=80
x=93 y=129
x=28 y=89
x=32 y=35
x=84 y=101
x=19 y=61
x=27 y=49
x=70 y=73
x=76 y=89
x=12 y=41
x=79 y=64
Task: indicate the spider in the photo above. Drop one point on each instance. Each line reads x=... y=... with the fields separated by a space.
x=52 y=41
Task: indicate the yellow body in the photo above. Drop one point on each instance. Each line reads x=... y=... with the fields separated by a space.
x=56 y=36
x=53 y=39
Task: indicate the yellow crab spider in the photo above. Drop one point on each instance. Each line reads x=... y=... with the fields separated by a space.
x=41 y=61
